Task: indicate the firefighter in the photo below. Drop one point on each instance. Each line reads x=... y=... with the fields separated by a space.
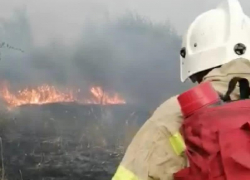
x=215 y=48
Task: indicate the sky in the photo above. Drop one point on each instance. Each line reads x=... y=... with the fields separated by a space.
x=64 y=19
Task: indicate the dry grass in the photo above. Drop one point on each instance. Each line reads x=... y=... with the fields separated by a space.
x=105 y=135
x=56 y=142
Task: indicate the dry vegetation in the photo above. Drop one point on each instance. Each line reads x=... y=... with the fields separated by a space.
x=66 y=141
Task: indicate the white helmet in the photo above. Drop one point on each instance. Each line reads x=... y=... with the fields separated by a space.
x=215 y=37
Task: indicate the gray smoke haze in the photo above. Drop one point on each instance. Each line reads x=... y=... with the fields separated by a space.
x=130 y=55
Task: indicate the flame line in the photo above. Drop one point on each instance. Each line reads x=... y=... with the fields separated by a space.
x=49 y=94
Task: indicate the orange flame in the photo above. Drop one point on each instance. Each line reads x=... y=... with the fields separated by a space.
x=102 y=98
x=46 y=94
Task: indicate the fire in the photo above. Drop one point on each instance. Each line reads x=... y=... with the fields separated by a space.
x=102 y=98
x=46 y=94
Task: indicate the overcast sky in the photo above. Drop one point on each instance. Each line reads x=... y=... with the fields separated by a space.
x=63 y=19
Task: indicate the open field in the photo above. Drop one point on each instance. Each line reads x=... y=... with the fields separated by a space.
x=66 y=141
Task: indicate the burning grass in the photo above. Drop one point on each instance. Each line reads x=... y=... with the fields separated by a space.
x=46 y=94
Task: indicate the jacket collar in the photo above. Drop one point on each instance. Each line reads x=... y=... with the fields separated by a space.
x=220 y=77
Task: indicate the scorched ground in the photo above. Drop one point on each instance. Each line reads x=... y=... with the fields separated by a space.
x=65 y=140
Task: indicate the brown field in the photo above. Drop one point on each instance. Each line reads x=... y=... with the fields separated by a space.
x=66 y=141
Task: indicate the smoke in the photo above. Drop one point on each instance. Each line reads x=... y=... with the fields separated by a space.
x=130 y=55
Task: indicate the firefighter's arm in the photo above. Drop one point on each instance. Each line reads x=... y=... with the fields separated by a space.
x=167 y=157
x=151 y=156
x=134 y=165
